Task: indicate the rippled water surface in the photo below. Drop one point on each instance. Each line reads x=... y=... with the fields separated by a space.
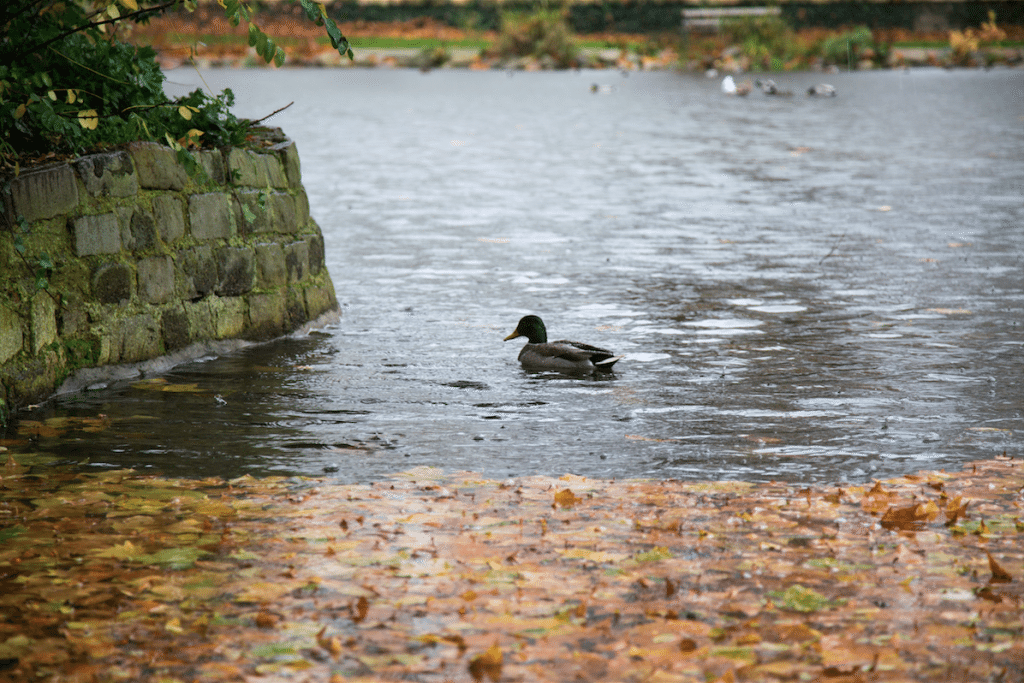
x=805 y=289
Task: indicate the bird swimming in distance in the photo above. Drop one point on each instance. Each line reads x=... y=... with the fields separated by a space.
x=822 y=90
x=561 y=355
x=731 y=87
x=769 y=87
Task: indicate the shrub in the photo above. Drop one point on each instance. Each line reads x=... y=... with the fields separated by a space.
x=544 y=33
x=849 y=47
x=766 y=40
x=68 y=84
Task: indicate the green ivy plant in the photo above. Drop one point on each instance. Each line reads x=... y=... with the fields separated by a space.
x=69 y=84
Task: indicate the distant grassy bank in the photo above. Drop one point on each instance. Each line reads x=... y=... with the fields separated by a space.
x=544 y=39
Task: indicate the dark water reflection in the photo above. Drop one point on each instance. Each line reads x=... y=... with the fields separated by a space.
x=813 y=290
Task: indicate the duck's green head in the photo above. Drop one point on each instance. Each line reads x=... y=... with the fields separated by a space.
x=532 y=328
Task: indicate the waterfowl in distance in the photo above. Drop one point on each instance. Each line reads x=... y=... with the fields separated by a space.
x=561 y=355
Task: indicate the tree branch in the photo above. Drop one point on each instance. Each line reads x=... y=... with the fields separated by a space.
x=276 y=111
x=72 y=31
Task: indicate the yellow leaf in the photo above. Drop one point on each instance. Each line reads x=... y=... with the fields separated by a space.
x=52 y=95
x=89 y=119
x=72 y=96
x=566 y=498
x=185 y=113
x=130 y=4
x=112 y=11
x=20 y=111
x=121 y=552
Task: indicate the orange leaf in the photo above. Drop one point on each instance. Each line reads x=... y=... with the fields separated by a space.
x=999 y=575
x=566 y=498
x=908 y=518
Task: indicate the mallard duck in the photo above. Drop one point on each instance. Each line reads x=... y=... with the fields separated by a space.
x=769 y=87
x=566 y=356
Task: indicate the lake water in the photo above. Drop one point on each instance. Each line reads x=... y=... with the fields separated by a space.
x=805 y=289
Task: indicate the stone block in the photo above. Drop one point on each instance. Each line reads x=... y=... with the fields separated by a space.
x=11 y=336
x=289 y=155
x=45 y=193
x=97 y=235
x=74 y=321
x=270 y=266
x=44 y=321
x=196 y=272
x=33 y=381
x=296 y=259
x=236 y=271
x=316 y=253
x=296 y=306
x=156 y=279
x=255 y=218
x=302 y=210
x=229 y=317
x=124 y=221
x=267 y=316
x=268 y=212
x=157 y=166
x=170 y=221
x=320 y=299
x=109 y=174
x=209 y=216
x=285 y=216
x=143 y=231
x=175 y=329
x=202 y=320
x=113 y=283
x=212 y=162
x=250 y=169
x=140 y=338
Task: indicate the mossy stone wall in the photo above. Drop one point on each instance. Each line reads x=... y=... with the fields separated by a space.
x=148 y=259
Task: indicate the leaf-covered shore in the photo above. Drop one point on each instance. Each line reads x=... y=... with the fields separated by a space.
x=446 y=577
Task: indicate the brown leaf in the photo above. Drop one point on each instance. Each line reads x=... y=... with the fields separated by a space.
x=999 y=575
x=361 y=608
x=909 y=518
x=266 y=620
x=487 y=663
x=954 y=510
x=988 y=594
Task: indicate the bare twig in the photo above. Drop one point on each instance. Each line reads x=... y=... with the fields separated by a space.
x=276 y=111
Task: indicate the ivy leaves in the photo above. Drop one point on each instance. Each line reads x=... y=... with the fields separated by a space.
x=68 y=84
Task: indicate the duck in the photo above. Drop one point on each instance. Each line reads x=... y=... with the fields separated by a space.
x=822 y=90
x=731 y=87
x=769 y=87
x=561 y=355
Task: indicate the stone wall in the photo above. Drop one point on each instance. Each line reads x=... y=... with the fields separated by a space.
x=149 y=259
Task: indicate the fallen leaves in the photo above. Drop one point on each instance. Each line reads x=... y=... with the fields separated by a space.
x=432 y=576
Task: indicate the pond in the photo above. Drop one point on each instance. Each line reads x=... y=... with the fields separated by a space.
x=805 y=289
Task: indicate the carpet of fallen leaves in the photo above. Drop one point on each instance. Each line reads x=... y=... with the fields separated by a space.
x=436 y=576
